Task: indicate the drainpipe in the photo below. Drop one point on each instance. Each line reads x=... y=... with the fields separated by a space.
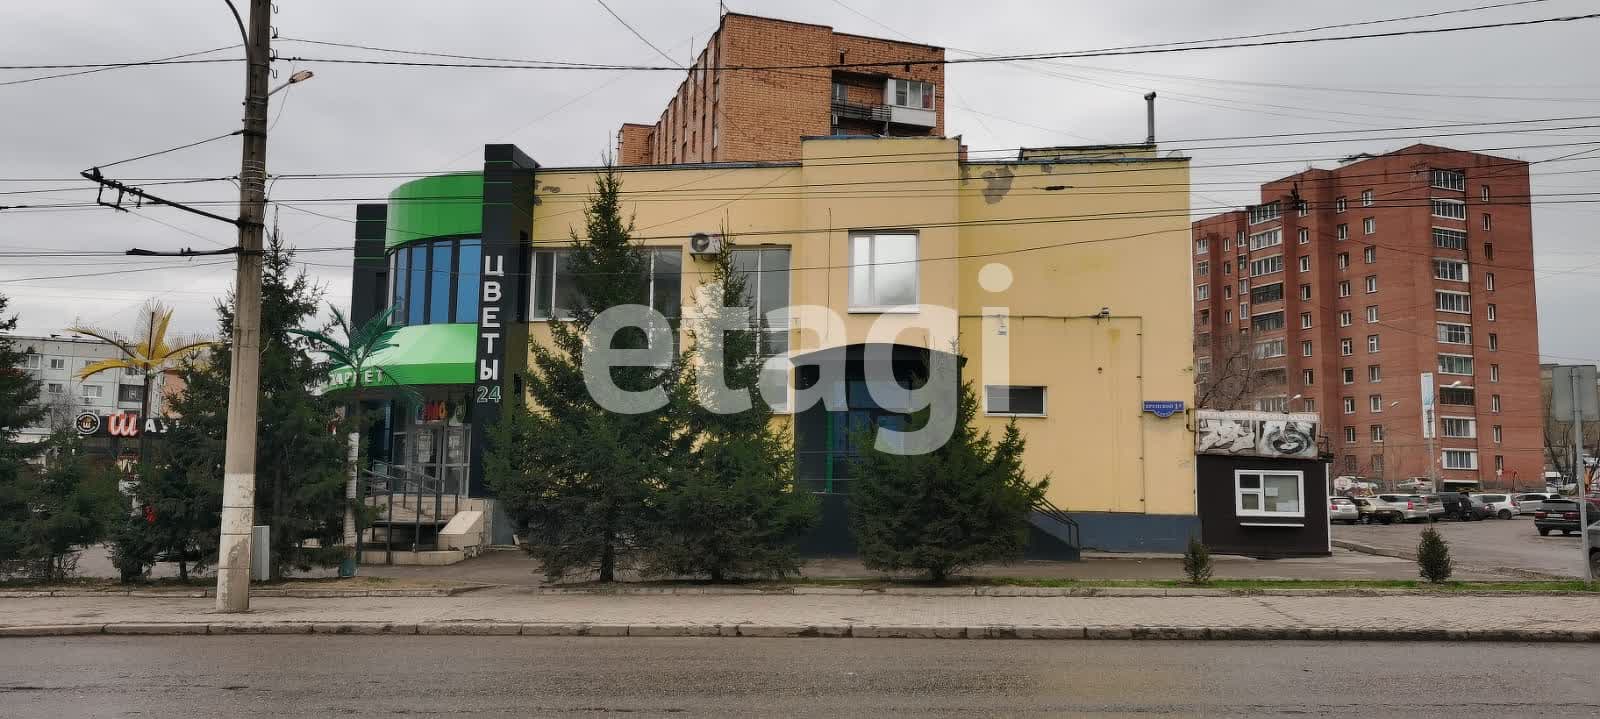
x=1150 y=118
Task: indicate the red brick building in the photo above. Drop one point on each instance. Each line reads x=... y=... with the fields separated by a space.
x=1344 y=285
x=728 y=115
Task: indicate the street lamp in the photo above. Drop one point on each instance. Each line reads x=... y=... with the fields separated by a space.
x=1290 y=400
x=298 y=77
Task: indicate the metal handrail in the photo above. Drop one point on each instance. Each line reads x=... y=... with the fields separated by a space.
x=1049 y=509
x=392 y=480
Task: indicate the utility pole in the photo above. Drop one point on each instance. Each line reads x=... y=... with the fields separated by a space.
x=1578 y=473
x=239 y=464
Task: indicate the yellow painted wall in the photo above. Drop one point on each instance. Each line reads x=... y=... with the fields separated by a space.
x=1101 y=452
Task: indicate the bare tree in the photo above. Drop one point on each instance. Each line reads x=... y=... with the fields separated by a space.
x=1231 y=381
x=1558 y=440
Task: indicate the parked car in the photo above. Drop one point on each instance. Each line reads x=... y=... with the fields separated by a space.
x=1343 y=509
x=1594 y=549
x=1436 y=506
x=1452 y=505
x=1502 y=505
x=1561 y=515
x=1475 y=509
x=1390 y=508
x=1530 y=502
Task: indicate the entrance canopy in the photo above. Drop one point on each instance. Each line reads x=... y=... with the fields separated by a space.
x=421 y=355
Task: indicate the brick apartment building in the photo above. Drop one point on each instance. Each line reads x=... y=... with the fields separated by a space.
x=721 y=115
x=1343 y=285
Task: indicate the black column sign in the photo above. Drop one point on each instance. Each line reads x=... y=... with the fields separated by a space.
x=502 y=338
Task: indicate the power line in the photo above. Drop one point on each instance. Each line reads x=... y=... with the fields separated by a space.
x=105 y=68
x=638 y=34
x=196 y=143
x=116 y=65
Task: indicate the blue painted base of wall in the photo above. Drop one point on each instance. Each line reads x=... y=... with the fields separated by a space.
x=1127 y=532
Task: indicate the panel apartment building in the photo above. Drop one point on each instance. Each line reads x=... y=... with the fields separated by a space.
x=1343 y=286
x=728 y=115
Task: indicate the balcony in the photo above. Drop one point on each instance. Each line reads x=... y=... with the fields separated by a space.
x=857 y=111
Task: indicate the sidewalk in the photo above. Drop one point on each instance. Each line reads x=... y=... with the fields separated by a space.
x=509 y=610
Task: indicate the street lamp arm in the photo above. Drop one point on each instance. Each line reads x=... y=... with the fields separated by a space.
x=244 y=36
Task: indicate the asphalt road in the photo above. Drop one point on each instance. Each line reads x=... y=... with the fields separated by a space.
x=1491 y=543
x=172 y=677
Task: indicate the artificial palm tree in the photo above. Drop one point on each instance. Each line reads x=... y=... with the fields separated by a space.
x=148 y=358
x=356 y=350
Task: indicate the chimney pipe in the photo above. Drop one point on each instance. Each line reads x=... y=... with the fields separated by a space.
x=1150 y=118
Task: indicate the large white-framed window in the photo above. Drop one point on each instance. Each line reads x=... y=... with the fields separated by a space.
x=1339 y=204
x=1452 y=270
x=1263 y=240
x=1455 y=364
x=913 y=93
x=1448 y=239
x=1341 y=232
x=1202 y=246
x=1009 y=400
x=32 y=361
x=553 y=294
x=1202 y=292
x=1447 y=301
x=1448 y=180
x=1349 y=405
x=1305 y=320
x=1450 y=209
x=1269 y=494
x=1269 y=349
x=1372 y=314
x=883 y=272
x=1369 y=226
x=1347 y=347
x=1458 y=427
x=766 y=283
x=55 y=388
x=58 y=363
x=1265 y=213
x=1460 y=459
x=1267 y=321
x=1304 y=236
x=1366 y=198
x=1454 y=333
x=1266 y=266
x=1370 y=284
x=1305 y=263
x=1202 y=269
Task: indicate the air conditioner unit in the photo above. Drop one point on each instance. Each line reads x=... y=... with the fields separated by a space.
x=705 y=243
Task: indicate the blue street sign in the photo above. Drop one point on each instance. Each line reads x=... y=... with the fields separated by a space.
x=1163 y=408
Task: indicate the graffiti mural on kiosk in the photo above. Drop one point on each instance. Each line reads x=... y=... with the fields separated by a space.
x=1259 y=434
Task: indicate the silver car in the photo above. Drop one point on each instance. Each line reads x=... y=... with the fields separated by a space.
x=1501 y=505
x=1531 y=502
x=1387 y=508
x=1343 y=509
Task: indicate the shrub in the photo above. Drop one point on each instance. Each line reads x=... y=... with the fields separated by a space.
x=1197 y=562
x=1433 y=557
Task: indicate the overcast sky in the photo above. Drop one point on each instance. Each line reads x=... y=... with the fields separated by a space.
x=361 y=118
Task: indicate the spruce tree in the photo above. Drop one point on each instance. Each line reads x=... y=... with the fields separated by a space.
x=576 y=477
x=72 y=501
x=963 y=504
x=19 y=394
x=731 y=509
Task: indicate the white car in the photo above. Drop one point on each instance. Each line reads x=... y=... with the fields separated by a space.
x=1343 y=509
x=1501 y=505
x=1531 y=502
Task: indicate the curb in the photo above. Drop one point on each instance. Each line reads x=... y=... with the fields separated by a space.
x=1412 y=556
x=266 y=592
x=859 y=631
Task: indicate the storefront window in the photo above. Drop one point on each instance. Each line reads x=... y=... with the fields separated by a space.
x=416 y=301
x=469 y=262
x=436 y=282
x=555 y=290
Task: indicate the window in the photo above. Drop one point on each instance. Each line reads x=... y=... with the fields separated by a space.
x=1202 y=366
x=1366 y=198
x=1227 y=316
x=1446 y=301
x=93 y=391
x=1450 y=209
x=841 y=92
x=1455 y=334
x=1305 y=263
x=1453 y=270
x=1267 y=322
x=130 y=393
x=1227 y=268
x=1305 y=320
x=1238 y=239
x=1202 y=247
x=1375 y=403
x=1350 y=435
x=1372 y=343
x=57 y=363
x=1455 y=364
x=132 y=372
x=31 y=361
x=1370 y=283
x=1244 y=310
x=1488 y=281
x=1264 y=213
x=1349 y=405
x=55 y=388
x=1374 y=373
x=1013 y=400
x=1339 y=204
x=1266 y=265
x=1267 y=293
x=1489 y=312
x=1304 y=236
x=1342 y=260
x=554 y=291
x=1304 y=208
x=1449 y=239
x=1460 y=459
x=1369 y=225
x=1377 y=464
x=1309 y=377
x=1202 y=268
x=1305 y=348
x=1458 y=427
x=1499 y=460
x=1269 y=494
x=1376 y=432
x=1449 y=179
x=1347 y=347
x=913 y=93
x=1305 y=292
x=1347 y=375
x=1263 y=240
x=1344 y=288
x=883 y=271
x=1272 y=378
x=1486 y=223
x=1369 y=255
x=1341 y=232
x=1494 y=403
x=1485 y=193
x=766 y=281
x=435 y=282
x=1494 y=373
x=1464 y=396
x=1269 y=349
x=1344 y=318
x=1310 y=404
x=1372 y=314
x=1494 y=342
x=1488 y=250
x=1495 y=430
x=1202 y=292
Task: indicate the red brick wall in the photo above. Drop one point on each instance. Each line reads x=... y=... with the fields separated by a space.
x=633 y=144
